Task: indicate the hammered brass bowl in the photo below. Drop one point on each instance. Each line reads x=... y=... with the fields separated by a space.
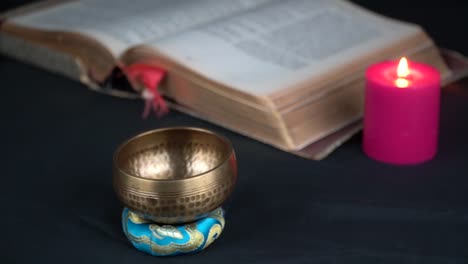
x=174 y=175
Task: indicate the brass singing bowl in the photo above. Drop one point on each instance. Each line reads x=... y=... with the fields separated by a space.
x=174 y=175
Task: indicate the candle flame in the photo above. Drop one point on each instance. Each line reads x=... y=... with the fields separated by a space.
x=402 y=73
x=403 y=69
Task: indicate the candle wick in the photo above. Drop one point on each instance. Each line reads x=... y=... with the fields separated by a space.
x=402 y=83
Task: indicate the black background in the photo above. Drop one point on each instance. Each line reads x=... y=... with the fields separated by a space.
x=57 y=139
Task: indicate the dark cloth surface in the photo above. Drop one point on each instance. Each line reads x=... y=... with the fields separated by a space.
x=58 y=205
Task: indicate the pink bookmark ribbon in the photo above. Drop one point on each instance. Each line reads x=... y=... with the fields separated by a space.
x=148 y=76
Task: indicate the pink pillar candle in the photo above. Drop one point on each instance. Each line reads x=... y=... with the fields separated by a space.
x=401 y=116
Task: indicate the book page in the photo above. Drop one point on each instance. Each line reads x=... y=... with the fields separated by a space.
x=121 y=24
x=283 y=42
x=256 y=46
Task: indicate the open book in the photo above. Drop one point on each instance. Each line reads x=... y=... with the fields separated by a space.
x=287 y=73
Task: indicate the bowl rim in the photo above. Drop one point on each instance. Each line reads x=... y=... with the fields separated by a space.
x=224 y=139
